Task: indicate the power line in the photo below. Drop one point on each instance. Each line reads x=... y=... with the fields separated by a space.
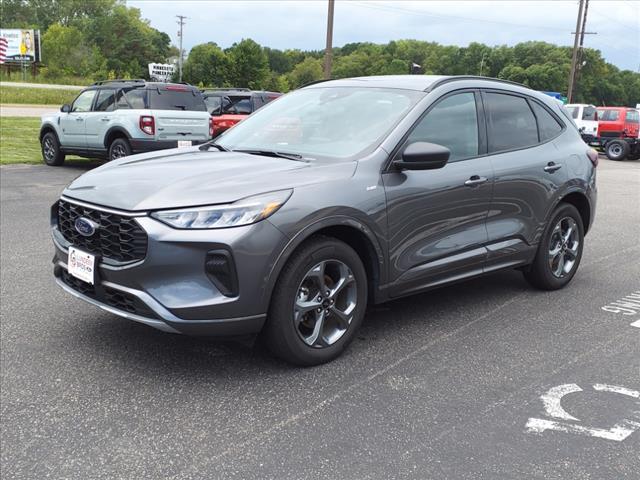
x=396 y=9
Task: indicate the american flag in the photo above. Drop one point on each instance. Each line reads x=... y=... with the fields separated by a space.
x=4 y=44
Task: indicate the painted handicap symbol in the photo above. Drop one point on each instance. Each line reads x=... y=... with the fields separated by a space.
x=553 y=408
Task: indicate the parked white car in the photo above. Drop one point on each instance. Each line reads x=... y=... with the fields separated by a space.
x=586 y=119
x=116 y=118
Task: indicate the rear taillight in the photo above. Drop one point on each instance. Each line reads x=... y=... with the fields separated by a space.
x=593 y=156
x=211 y=126
x=148 y=124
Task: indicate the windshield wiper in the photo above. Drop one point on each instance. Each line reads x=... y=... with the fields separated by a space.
x=211 y=143
x=273 y=153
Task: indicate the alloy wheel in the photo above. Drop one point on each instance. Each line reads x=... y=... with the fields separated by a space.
x=49 y=149
x=325 y=303
x=118 y=151
x=564 y=246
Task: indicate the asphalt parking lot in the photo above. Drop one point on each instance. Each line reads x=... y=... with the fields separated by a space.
x=460 y=383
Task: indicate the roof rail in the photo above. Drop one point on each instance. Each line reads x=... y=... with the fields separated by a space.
x=224 y=89
x=455 y=78
x=120 y=80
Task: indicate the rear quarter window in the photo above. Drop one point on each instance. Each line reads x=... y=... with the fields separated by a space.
x=632 y=116
x=176 y=99
x=548 y=126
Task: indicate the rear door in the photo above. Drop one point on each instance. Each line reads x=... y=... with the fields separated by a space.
x=529 y=169
x=437 y=218
x=73 y=123
x=180 y=113
x=632 y=123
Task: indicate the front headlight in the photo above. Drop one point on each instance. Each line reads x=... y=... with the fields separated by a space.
x=243 y=212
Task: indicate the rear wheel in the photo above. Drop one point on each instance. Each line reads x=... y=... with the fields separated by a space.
x=560 y=250
x=617 y=150
x=318 y=303
x=119 y=148
x=51 y=151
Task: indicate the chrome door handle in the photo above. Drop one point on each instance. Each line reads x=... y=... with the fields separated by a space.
x=475 y=180
x=552 y=167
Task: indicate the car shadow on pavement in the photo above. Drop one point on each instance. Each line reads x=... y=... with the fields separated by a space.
x=402 y=322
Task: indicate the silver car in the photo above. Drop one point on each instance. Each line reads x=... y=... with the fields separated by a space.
x=341 y=194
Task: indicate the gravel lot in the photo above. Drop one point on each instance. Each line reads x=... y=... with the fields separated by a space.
x=440 y=385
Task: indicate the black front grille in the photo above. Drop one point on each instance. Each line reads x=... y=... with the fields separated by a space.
x=110 y=296
x=117 y=237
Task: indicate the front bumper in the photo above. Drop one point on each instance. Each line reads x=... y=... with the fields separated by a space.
x=169 y=288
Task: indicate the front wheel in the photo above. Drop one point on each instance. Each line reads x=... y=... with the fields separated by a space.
x=560 y=250
x=119 y=148
x=617 y=150
x=51 y=151
x=318 y=303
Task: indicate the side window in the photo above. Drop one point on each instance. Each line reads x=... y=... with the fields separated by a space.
x=590 y=113
x=610 y=115
x=106 y=101
x=547 y=125
x=121 y=101
x=510 y=122
x=136 y=98
x=84 y=101
x=632 y=116
x=453 y=123
x=257 y=102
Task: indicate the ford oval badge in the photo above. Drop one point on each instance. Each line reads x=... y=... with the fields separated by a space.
x=85 y=227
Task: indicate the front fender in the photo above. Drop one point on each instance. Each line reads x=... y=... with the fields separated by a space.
x=318 y=224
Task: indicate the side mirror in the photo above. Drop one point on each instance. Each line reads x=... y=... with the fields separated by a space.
x=423 y=156
x=66 y=108
x=582 y=129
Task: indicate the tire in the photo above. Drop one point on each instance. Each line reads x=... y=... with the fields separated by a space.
x=52 y=154
x=290 y=332
x=617 y=150
x=545 y=272
x=119 y=148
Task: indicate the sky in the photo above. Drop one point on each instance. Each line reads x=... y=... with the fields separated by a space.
x=301 y=24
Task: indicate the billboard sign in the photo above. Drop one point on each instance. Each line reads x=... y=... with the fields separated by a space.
x=161 y=72
x=20 y=45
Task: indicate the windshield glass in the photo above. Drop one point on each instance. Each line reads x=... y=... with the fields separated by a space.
x=330 y=122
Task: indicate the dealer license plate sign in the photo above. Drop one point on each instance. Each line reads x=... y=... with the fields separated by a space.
x=81 y=265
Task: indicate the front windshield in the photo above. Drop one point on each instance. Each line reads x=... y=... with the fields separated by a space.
x=329 y=122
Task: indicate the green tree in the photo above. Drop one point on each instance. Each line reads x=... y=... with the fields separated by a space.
x=67 y=53
x=307 y=71
x=206 y=64
x=249 y=64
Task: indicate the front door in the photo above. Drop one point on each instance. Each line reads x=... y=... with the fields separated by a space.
x=98 y=121
x=437 y=218
x=73 y=123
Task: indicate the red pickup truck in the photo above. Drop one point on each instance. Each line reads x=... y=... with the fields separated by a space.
x=228 y=106
x=619 y=132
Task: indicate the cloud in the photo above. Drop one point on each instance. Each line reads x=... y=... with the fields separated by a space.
x=301 y=24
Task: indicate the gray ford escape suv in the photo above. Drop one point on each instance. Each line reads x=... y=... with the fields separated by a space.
x=340 y=194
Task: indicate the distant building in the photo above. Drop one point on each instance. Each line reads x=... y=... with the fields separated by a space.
x=161 y=72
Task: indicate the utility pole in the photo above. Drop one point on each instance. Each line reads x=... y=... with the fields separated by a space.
x=583 y=32
x=181 y=19
x=574 y=58
x=329 y=48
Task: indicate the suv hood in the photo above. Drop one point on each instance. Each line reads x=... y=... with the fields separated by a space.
x=186 y=178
